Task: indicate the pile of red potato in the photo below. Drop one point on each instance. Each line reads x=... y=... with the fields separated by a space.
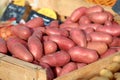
x=88 y=35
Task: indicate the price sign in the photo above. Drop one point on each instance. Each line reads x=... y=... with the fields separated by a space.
x=13 y=11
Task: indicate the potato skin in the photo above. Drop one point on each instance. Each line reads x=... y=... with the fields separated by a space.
x=93 y=9
x=18 y=50
x=113 y=30
x=76 y=14
x=54 y=23
x=110 y=51
x=101 y=36
x=49 y=72
x=79 y=37
x=80 y=54
x=84 y=20
x=50 y=47
x=56 y=31
x=35 y=47
x=58 y=58
x=3 y=46
x=100 y=47
x=64 y=43
x=68 y=68
x=80 y=65
x=22 y=32
x=35 y=22
x=98 y=17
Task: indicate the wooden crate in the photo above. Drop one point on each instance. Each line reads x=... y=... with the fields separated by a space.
x=15 y=69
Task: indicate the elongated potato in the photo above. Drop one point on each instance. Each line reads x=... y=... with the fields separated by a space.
x=38 y=33
x=64 y=43
x=76 y=14
x=49 y=72
x=80 y=54
x=84 y=20
x=114 y=30
x=50 y=47
x=79 y=37
x=93 y=9
x=114 y=67
x=35 y=47
x=57 y=71
x=56 y=31
x=100 y=47
x=58 y=58
x=101 y=36
x=109 y=52
x=54 y=23
x=80 y=65
x=3 y=46
x=98 y=17
x=18 y=50
x=35 y=22
x=106 y=73
x=71 y=25
x=99 y=78
x=91 y=25
x=68 y=68
x=21 y=31
x=115 y=42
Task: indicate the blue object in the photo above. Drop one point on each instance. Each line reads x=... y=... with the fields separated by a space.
x=116 y=7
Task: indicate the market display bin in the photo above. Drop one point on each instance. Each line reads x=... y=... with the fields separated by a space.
x=15 y=69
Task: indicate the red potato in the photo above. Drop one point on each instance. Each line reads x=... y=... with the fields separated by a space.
x=76 y=14
x=71 y=25
x=79 y=37
x=115 y=42
x=93 y=26
x=50 y=47
x=45 y=38
x=110 y=16
x=109 y=52
x=84 y=20
x=57 y=71
x=42 y=29
x=81 y=65
x=17 y=39
x=35 y=22
x=68 y=68
x=88 y=30
x=68 y=20
x=64 y=43
x=80 y=54
x=116 y=48
x=56 y=31
x=98 y=17
x=54 y=23
x=21 y=31
x=59 y=58
x=38 y=33
x=101 y=36
x=19 y=51
x=100 y=47
x=3 y=46
x=35 y=47
x=114 y=30
x=108 y=23
x=93 y=9
x=49 y=72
